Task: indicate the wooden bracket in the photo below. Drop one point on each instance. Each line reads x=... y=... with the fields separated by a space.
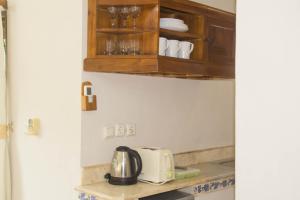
x=85 y=104
x=3 y=3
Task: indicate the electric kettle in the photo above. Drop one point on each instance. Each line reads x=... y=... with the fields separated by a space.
x=126 y=166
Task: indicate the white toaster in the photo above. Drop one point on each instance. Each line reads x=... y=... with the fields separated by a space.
x=158 y=165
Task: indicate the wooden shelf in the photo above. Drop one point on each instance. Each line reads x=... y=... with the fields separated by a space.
x=180 y=59
x=123 y=30
x=126 y=57
x=154 y=65
x=112 y=57
x=127 y=2
x=121 y=64
x=177 y=66
x=179 y=35
x=146 y=64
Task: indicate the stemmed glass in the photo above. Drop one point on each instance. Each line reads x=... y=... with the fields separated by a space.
x=135 y=13
x=114 y=13
x=110 y=47
x=123 y=45
x=134 y=47
x=124 y=14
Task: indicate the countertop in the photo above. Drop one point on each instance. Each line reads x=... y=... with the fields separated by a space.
x=209 y=171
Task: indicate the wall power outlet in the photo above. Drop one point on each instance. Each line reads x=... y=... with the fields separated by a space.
x=130 y=129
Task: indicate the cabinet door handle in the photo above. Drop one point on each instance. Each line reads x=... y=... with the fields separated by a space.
x=209 y=40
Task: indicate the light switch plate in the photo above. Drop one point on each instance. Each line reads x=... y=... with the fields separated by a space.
x=120 y=130
x=108 y=132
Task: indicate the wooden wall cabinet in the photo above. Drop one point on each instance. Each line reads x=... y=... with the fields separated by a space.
x=211 y=30
x=220 y=47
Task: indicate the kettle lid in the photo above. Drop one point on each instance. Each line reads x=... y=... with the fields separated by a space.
x=123 y=149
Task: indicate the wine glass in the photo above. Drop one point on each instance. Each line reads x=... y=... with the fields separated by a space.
x=123 y=45
x=124 y=14
x=114 y=13
x=134 y=47
x=135 y=13
x=110 y=47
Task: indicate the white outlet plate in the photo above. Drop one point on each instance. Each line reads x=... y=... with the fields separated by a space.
x=108 y=132
x=130 y=130
x=120 y=130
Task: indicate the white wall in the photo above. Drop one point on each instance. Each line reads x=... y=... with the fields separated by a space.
x=178 y=114
x=45 y=51
x=268 y=96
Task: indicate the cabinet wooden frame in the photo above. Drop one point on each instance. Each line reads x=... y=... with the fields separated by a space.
x=211 y=30
x=3 y=3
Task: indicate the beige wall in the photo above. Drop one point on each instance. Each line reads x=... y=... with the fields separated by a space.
x=268 y=100
x=45 y=52
x=178 y=114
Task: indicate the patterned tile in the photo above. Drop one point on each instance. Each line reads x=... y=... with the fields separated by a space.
x=83 y=196
x=211 y=186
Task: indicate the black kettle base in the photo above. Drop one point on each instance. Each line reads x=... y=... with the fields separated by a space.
x=122 y=181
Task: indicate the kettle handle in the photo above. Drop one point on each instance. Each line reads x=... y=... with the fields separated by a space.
x=138 y=159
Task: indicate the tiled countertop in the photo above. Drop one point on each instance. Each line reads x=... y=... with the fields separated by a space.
x=209 y=171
